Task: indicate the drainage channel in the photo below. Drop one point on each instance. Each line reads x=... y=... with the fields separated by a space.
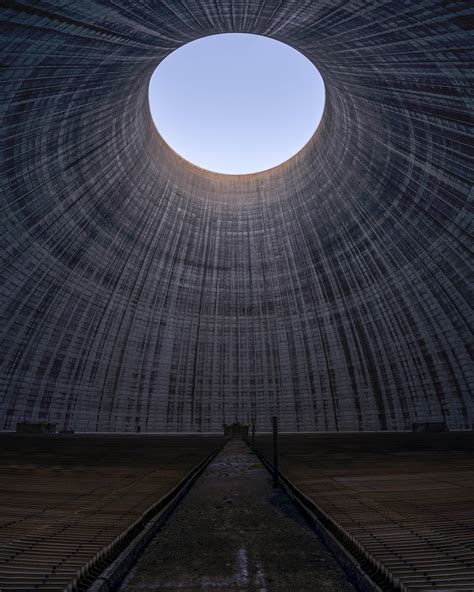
x=106 y=570
x=364 y=571
x=113 y=564
x=234 y=531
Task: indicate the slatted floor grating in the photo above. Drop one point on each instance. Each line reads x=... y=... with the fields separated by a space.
x=63 y=498
x=407 y=498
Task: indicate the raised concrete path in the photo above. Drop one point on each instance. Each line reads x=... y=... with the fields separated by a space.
x=233 y=531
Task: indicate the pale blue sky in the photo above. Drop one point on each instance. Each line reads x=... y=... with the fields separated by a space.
x=236 y=103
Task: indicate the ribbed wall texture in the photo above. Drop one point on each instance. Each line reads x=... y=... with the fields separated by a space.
x=140 y=290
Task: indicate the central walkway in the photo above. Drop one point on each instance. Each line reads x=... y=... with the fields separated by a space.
x=233 y=531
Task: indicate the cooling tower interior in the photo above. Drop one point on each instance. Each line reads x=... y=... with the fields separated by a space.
x=139 y=290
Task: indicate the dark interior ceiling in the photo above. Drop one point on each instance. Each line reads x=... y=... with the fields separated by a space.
x=332 y=290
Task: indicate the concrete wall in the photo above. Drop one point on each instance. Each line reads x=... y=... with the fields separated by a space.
x=138 y=289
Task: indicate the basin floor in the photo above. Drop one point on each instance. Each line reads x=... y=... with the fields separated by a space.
x=233 y=531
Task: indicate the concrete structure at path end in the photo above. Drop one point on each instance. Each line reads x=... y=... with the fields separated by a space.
x=332 y=290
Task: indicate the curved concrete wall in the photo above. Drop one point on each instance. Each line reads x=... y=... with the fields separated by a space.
x=140 y=290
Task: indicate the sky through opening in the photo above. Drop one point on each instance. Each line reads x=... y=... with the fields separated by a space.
x=236 y=103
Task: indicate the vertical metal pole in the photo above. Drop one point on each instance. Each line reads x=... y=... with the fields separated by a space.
x=275 y=450
x=253 y=437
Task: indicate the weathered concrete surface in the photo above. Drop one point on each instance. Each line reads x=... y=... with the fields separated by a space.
x=234 y=532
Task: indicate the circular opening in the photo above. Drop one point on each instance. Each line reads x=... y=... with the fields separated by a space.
x=236 y=103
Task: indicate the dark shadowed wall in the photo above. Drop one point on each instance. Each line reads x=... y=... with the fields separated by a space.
x=140 y=290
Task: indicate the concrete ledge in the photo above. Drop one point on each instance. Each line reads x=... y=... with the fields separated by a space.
x=339 y=542
x=129 y=545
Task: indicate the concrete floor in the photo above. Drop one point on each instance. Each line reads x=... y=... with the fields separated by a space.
x=233 y=531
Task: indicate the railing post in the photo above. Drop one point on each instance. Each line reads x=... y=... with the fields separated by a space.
x=253 y=438
x=275 y=450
